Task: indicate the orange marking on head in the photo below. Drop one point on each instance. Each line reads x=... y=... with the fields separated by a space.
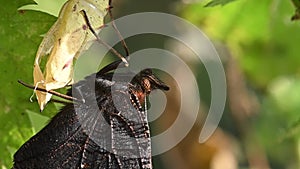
x=141 y=96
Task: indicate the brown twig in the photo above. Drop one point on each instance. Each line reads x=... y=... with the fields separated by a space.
x=50 y=91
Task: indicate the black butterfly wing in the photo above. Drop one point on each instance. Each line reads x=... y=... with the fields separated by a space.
x=55 y=146
x=131 y=135
x=85 y=136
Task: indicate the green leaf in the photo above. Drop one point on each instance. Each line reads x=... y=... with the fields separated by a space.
x=20 y=33
x=218 y=2
x=50 y=7
x=37 y=120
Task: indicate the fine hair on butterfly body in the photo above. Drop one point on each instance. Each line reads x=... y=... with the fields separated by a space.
x=107 y=129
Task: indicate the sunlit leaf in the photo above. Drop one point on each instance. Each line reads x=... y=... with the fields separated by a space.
x=51 y=7
x=285 y=93
x=20 y=35
x=37 y=120
x=66 y=39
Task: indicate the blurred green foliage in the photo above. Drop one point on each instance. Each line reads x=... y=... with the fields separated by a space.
x=259 y=34
x=264 y=40
x=20 y=33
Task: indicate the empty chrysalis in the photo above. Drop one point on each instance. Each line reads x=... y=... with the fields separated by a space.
x=64 y=42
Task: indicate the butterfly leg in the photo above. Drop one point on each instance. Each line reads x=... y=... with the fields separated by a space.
x=84 y=14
